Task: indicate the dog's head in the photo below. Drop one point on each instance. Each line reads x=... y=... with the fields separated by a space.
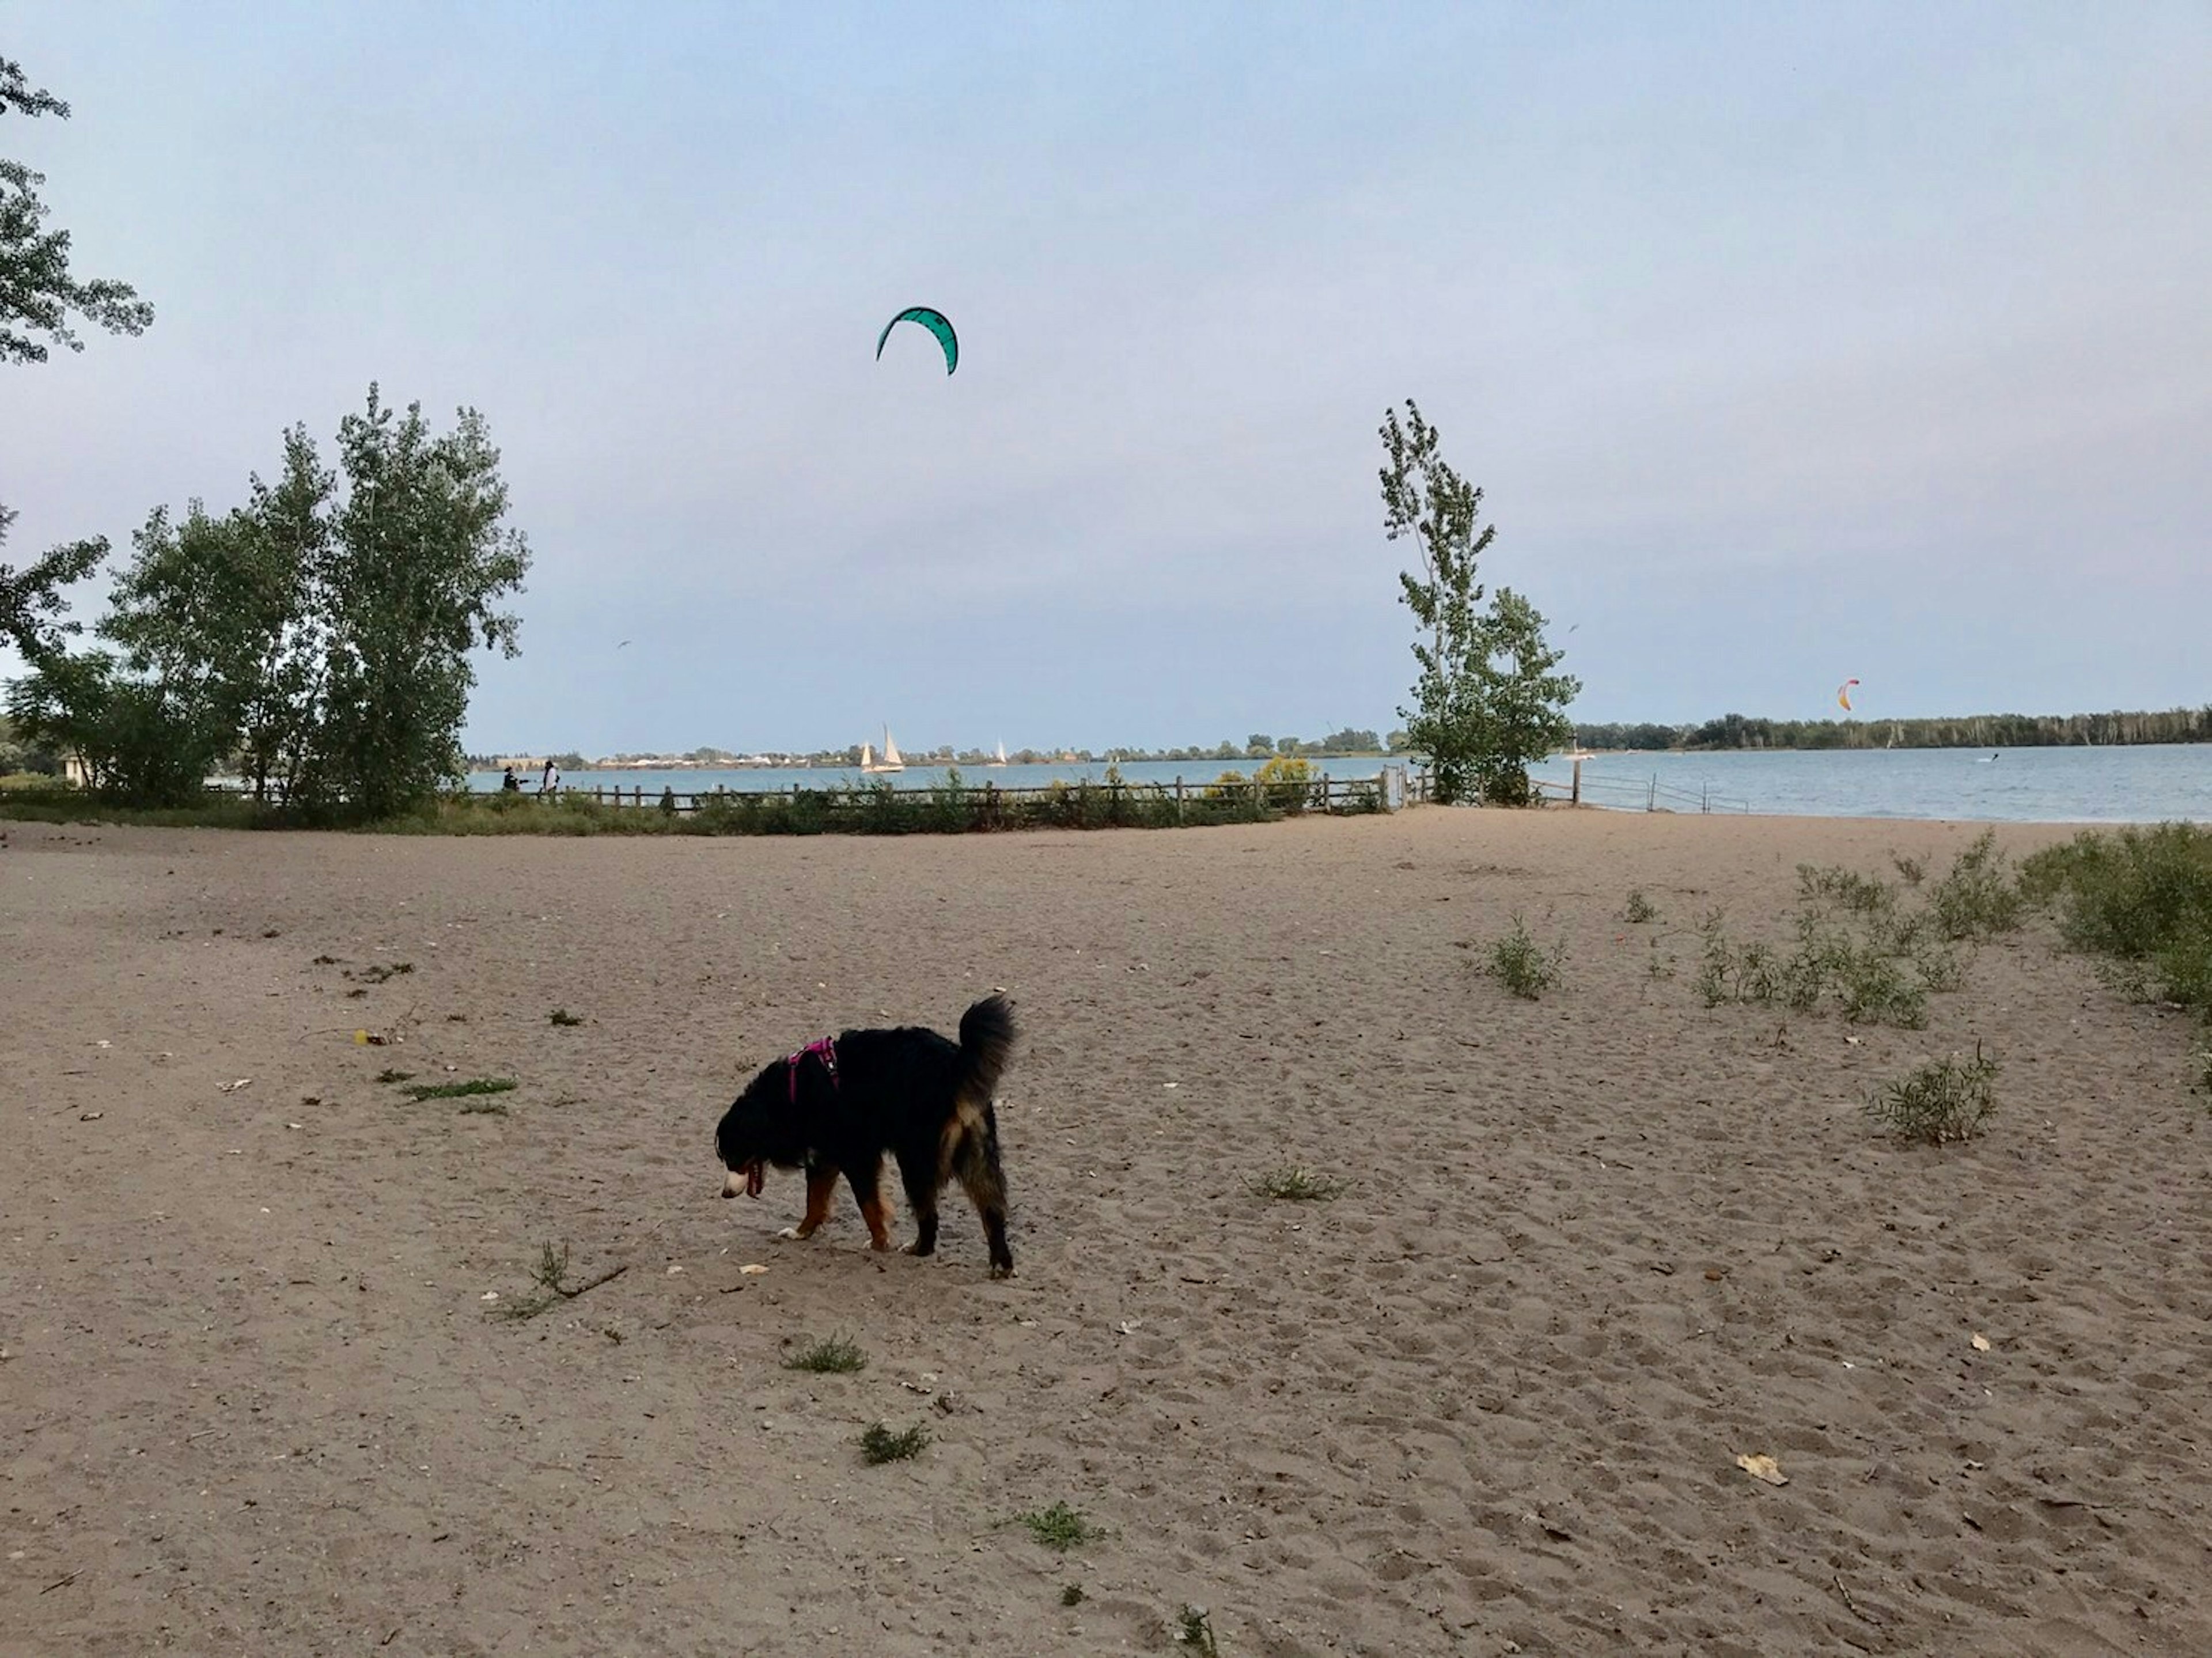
x=756 y=1131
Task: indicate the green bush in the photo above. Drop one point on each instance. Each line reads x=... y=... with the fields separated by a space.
x=1948 y=1100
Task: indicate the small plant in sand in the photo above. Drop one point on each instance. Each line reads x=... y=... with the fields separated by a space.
x=485 y=1108
x=1911 y=870
x=561 y=1016
x=550 y=1276
x=1059 y=1528
x=392 y=1076
x=880 y=1444
x=1194 y=1631
x=462 y=1090
x=833 y=1355
x=1640 y=908
x=1944 y=1101
x=374 y=974
x=1071 y=1594
x=1297 y=1185
x=1517 y=962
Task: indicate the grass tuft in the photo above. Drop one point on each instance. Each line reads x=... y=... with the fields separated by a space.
x=474 y=1086
x=1059 y=1528
x=391 y=1075
x=880 y=1444
x=835 y=1355
x=1640 y=908
x=1297 y=1185
x=561 y=1016
x=1071 y=1594
x=1946 y=1100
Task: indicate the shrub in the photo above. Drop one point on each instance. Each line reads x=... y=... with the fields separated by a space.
x=1942 y=1101
x=880 y=1444
x=2141 y=897
x=1640 y=908
x=834 y=1356
x=1516 y=962
x=1979 y=898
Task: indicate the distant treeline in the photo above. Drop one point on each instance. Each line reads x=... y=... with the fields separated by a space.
x=1984 y=731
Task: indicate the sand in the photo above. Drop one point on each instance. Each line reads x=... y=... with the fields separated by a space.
x=1593 y=1248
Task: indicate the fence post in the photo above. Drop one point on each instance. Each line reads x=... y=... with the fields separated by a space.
x=1324 y=794
x=599 y=794
x=1575 y=799
x=1178 y=797
x=1705 y=802
x=1651 y=800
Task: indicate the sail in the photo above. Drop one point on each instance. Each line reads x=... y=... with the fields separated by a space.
x=1002 y=754
x=868 y=757
x=890 y=750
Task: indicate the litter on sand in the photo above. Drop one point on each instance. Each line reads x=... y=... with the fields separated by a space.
x=1763 y=1468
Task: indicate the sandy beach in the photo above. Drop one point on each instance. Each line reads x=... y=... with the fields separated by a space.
x=1592 y=1248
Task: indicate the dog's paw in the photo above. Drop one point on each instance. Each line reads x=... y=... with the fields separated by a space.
x=1007 y=1270
x=792 y=1232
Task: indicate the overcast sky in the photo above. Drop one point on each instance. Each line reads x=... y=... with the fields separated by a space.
x=1790 y=343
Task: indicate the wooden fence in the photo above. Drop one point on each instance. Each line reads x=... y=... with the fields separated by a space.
x=1195 y=799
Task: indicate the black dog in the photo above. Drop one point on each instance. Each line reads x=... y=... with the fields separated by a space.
x=837 y=1105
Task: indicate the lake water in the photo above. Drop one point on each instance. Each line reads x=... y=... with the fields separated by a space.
x=2146 y=784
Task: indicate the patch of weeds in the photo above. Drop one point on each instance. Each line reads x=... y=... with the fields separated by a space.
x=473 y=1087
x=1297 y=1185
x=325 y=960
x=485 y=1108
x=1877 y=989
x=561 y=1016
x=1945 y=1101
x=1865 y=895
x=390 y=1076
x=1715 y=961
x=1071 y=1594
x=835 y=1356
x=1657 y=969
x=1517 y=962
x=374 y=974
x=1979 y=898
x=1059 y=1528
x=1194 y=1630
x=550 y=1275
x=1640 y=908
x=880 y=1444
x=1911 y=870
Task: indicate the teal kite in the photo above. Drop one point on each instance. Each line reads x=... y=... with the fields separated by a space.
x=935 y=322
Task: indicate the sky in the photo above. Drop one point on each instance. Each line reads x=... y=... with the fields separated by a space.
x=1789 y=343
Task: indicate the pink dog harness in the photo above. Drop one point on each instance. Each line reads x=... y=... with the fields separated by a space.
x=826 y=1050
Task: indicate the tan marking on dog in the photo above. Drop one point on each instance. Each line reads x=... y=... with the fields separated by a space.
x=820 y=1188
x=877 y=1213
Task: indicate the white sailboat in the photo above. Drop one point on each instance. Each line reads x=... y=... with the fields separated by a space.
x=890 y=761
x=1002 y=759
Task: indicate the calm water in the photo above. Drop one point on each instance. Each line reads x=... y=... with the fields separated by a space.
x=2148 y=783
x=2062 y=785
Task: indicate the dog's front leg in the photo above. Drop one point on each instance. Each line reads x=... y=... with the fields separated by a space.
x=821 y=1186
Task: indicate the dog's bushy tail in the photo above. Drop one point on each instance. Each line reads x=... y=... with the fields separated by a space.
x=987 y=1042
